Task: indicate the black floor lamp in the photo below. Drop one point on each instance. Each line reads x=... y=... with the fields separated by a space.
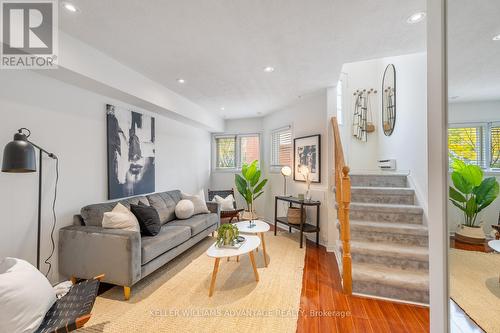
x=19 y=157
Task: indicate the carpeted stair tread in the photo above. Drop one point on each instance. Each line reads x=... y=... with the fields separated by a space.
x=388 y=249
x=377 y=274
x=406 y=228
x=383 y=190
x=390 y=208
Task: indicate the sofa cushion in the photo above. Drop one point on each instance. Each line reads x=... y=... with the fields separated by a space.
x=165 y=203
x=197 y=223
x=92 y=214
x=168 y=238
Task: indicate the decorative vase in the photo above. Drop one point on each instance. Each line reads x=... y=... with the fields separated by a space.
x=307 y=196
x=471 y=235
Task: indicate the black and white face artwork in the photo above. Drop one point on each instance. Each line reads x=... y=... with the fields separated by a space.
x=131 y=152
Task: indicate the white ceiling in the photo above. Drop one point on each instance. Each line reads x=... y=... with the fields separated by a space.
x=220 y=47
x=473 y=57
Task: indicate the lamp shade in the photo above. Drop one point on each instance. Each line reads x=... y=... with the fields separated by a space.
x=19 y=155
x=286 y=171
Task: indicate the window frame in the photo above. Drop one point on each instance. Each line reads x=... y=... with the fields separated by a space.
x=274 y=168
x=485 y=142
x=237 y=151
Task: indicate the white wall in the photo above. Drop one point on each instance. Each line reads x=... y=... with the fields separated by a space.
x=480 y=111
x=470 y=112
x=307 y=116
x=407 y=144
x=71 y=122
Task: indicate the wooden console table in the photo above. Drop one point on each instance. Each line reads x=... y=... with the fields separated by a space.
x=303 y=227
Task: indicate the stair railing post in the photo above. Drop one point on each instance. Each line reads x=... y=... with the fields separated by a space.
x=346 y=232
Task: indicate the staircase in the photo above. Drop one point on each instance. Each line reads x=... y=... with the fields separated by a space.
x=389 y=243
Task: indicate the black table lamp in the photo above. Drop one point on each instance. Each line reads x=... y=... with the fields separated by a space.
x=19 y=157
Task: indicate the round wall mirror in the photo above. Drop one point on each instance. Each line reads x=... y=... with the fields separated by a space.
x=389 y=100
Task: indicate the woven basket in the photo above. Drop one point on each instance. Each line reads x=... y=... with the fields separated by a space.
x=294 y=215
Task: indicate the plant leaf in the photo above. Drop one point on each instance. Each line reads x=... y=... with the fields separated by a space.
x=241 y=185
x=252 y=169
x=471 y=207
x=258 y=195
x=248 y=196
x=487 y=191
x=255 y=178
x=457 y=196
x=259 y=187
x=473 y=174
x=461 y=182
x=458 y=165
x=244 y=169
x=461 y=207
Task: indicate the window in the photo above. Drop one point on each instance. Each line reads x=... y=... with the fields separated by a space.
x=232 y=151
x=281 y=148
x=495 y=146
x=478 y=144
x=225 y=147
x=339 y=102
x=249 y=149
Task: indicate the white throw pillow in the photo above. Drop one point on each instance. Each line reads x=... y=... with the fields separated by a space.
x=25 y=296
x=120 y=218
x=225 y=203
x=184 y=209
x=200 y=206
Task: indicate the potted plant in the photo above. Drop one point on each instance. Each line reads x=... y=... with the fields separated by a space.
x=471 y=194
x=250 y=186
x=227 y=234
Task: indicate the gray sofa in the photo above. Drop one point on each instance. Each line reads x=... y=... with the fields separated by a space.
x=87 y=250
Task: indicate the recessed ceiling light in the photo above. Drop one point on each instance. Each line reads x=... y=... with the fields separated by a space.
x=269 y=69
x=70 y=7
x=496 y=38
x=181 y=81
x=222 y=108
x=415 y=18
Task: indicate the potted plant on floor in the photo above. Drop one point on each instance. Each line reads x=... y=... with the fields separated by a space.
x=250 y=187
x=471 y=194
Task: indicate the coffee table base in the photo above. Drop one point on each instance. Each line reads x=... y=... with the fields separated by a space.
x=216 y=270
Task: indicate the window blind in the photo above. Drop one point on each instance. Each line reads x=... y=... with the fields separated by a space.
x=494 y=159
x=281 y=147
x=468 y=143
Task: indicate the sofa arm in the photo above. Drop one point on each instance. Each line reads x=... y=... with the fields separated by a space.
x=88 y=251
x=214 y=208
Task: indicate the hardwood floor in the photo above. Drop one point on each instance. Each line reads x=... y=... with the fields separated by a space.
x=324 y=307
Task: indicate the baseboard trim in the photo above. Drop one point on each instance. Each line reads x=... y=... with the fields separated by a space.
x=391 y=299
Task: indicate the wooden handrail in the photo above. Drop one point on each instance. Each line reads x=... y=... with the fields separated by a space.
x=343 y=199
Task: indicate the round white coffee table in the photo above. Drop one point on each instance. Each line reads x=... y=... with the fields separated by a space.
x=251 y=243
x=260 y=228
x=495 y=245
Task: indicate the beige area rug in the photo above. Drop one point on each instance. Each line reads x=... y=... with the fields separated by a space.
x=175 y=297
x=475 y=288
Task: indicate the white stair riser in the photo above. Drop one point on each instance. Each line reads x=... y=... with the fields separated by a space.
x=382 y=290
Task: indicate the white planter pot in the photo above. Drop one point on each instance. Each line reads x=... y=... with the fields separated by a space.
x=471 y=232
